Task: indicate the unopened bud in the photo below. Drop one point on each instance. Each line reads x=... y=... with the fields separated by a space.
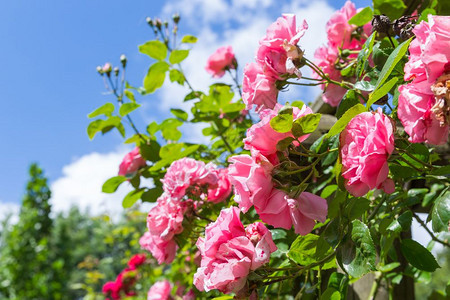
x=123 y=60
x=116 y=71
x=149 y=21
x=345 y=53
x=107 y=68
x=99 y=70
x=176 y=18
x=158 y=23
x=166 y=24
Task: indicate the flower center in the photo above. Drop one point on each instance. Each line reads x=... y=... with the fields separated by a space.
x=441 y=91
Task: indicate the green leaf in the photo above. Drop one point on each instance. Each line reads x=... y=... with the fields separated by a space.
x=176 y=75
x=177 y=56
x=179 y=113
x=357 y=255
x=362 y=18
x=155 y=76
x=418 y=256
x=129 y=94
x=364 y=85
x=93 y=128
x=306 y=124
x=283 y=121
x=389 y=267
x=169 y=129
x=132 y=197
x=154 y=49
x=391 y=8
x=150 y=151
x=346 y=117
x=381 y=91
x=126 y=108
x=402 y=223
x=152 y=194
x=363 y=55
x=331 y=294
x=111 y=185
x=153 y=128
x=349 y=100
x=357 y=207
x=189 y=39
x=440 y=214
x=391 y=62
x=106 y=109
x=402 y=171
x=104 y=126
x=284 y=143
x=305 y=251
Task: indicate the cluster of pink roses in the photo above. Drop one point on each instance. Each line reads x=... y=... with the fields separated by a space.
x=327 y=57
x=424 y=103
x=278 y=57
x=251 y=177
x=230 y=252
x=132 y=162
x=186 y=179
x=126 y=279
x=221 y=60
x=161 y=290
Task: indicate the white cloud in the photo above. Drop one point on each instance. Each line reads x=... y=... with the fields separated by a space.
x=81 y=184
x=11 y=210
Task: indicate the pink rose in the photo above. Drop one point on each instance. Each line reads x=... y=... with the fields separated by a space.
x=112 y=289
x=165 y=218
x=258 y=88
x=261 y=238
x=228 y=254
x=262 y=138
x=284 y=212
x=160 y=290
x=223 y=189
x=136 y=260
x=220 y=61
x=163 y=251
x=366 y=144
x=424 y=104
x=188 y=173
x=284 y=29
x=251 y=178
x=131 y=163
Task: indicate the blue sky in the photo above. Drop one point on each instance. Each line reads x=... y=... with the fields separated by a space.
x=49 y=53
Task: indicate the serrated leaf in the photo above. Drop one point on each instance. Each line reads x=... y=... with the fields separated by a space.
x=284 y=143
x=154 y=49
x=132 y=197
x=176 y=75
x=126 y=108
x=177 y=56
x=345 y=119
x=418 y=256
x=189 y=39
x=179 y=113
x=362 y=18
x=305 y=251
x=106 y=109
x=357 y=255
x=155 y=76
x=111 y=185
x=440 y=214
x=306 y=124
x=283 y=121
x=349 y=100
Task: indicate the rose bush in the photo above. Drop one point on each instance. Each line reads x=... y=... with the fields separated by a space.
x=316 y=195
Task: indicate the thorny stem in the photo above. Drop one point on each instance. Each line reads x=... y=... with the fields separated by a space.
x=409 y=164
x=376 y=209
x=433 y=237
x=415 y=158
x=304 y=168
x=305 y=84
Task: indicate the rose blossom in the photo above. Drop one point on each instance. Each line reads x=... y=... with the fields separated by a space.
x=131 y=163
x=136 y=260
x=163 y=251
x=262 y=138
x=284 y=212
x=258 y=88
x=228 y=254
x=221 y=60
x=166 y=217
x=251 y=178
x=223 y=189
x=424 y=104
x=160 y=290
x=366 y=144
x=185 y=173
